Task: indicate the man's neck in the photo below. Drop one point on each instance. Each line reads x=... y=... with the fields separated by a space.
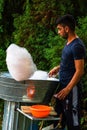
x=71 y=38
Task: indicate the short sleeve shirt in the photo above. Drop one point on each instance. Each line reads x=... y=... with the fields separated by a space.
x=73 y=51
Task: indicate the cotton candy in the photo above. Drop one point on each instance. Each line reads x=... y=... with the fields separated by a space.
x=19 y=62
x=39 y=75
x=42 y=75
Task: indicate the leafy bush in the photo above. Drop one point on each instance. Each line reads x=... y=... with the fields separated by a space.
x=82 y=33
x=2 y=60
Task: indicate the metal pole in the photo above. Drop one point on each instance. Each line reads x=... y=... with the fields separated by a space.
x=8 y=118
x=6 y=115
x=31 y=125
x=16 y=117
x=24 y=120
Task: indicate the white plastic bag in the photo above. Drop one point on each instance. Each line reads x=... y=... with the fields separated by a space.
x=19 y=62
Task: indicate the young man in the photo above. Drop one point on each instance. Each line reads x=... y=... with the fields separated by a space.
x=71 y=69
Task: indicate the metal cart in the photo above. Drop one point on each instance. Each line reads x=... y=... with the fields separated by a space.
x=49 y=118
x=14 y=93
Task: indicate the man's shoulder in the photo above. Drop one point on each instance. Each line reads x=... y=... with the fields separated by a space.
x=78 y=43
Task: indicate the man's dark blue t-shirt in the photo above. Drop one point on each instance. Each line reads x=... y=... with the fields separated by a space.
x=73 y=51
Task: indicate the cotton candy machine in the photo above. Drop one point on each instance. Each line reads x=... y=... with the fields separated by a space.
x=29 y=91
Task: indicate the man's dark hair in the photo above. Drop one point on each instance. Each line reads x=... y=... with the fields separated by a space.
x=67 y=20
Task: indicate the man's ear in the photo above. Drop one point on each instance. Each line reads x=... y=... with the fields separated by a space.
x=66 y=28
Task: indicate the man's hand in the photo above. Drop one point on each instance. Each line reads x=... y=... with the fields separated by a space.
x=54 y=71
x=62 y=94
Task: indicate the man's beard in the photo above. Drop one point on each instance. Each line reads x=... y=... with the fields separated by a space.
x=65 y=36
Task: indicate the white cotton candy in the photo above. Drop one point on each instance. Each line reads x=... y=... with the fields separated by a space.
x=39 y=75
x=19 y=62
x=42 y=75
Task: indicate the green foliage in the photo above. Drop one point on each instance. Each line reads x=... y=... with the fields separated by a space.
x=1 y=8
x=82 y=33
x=2 y=60
x=53 y=51
x=81 y=30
